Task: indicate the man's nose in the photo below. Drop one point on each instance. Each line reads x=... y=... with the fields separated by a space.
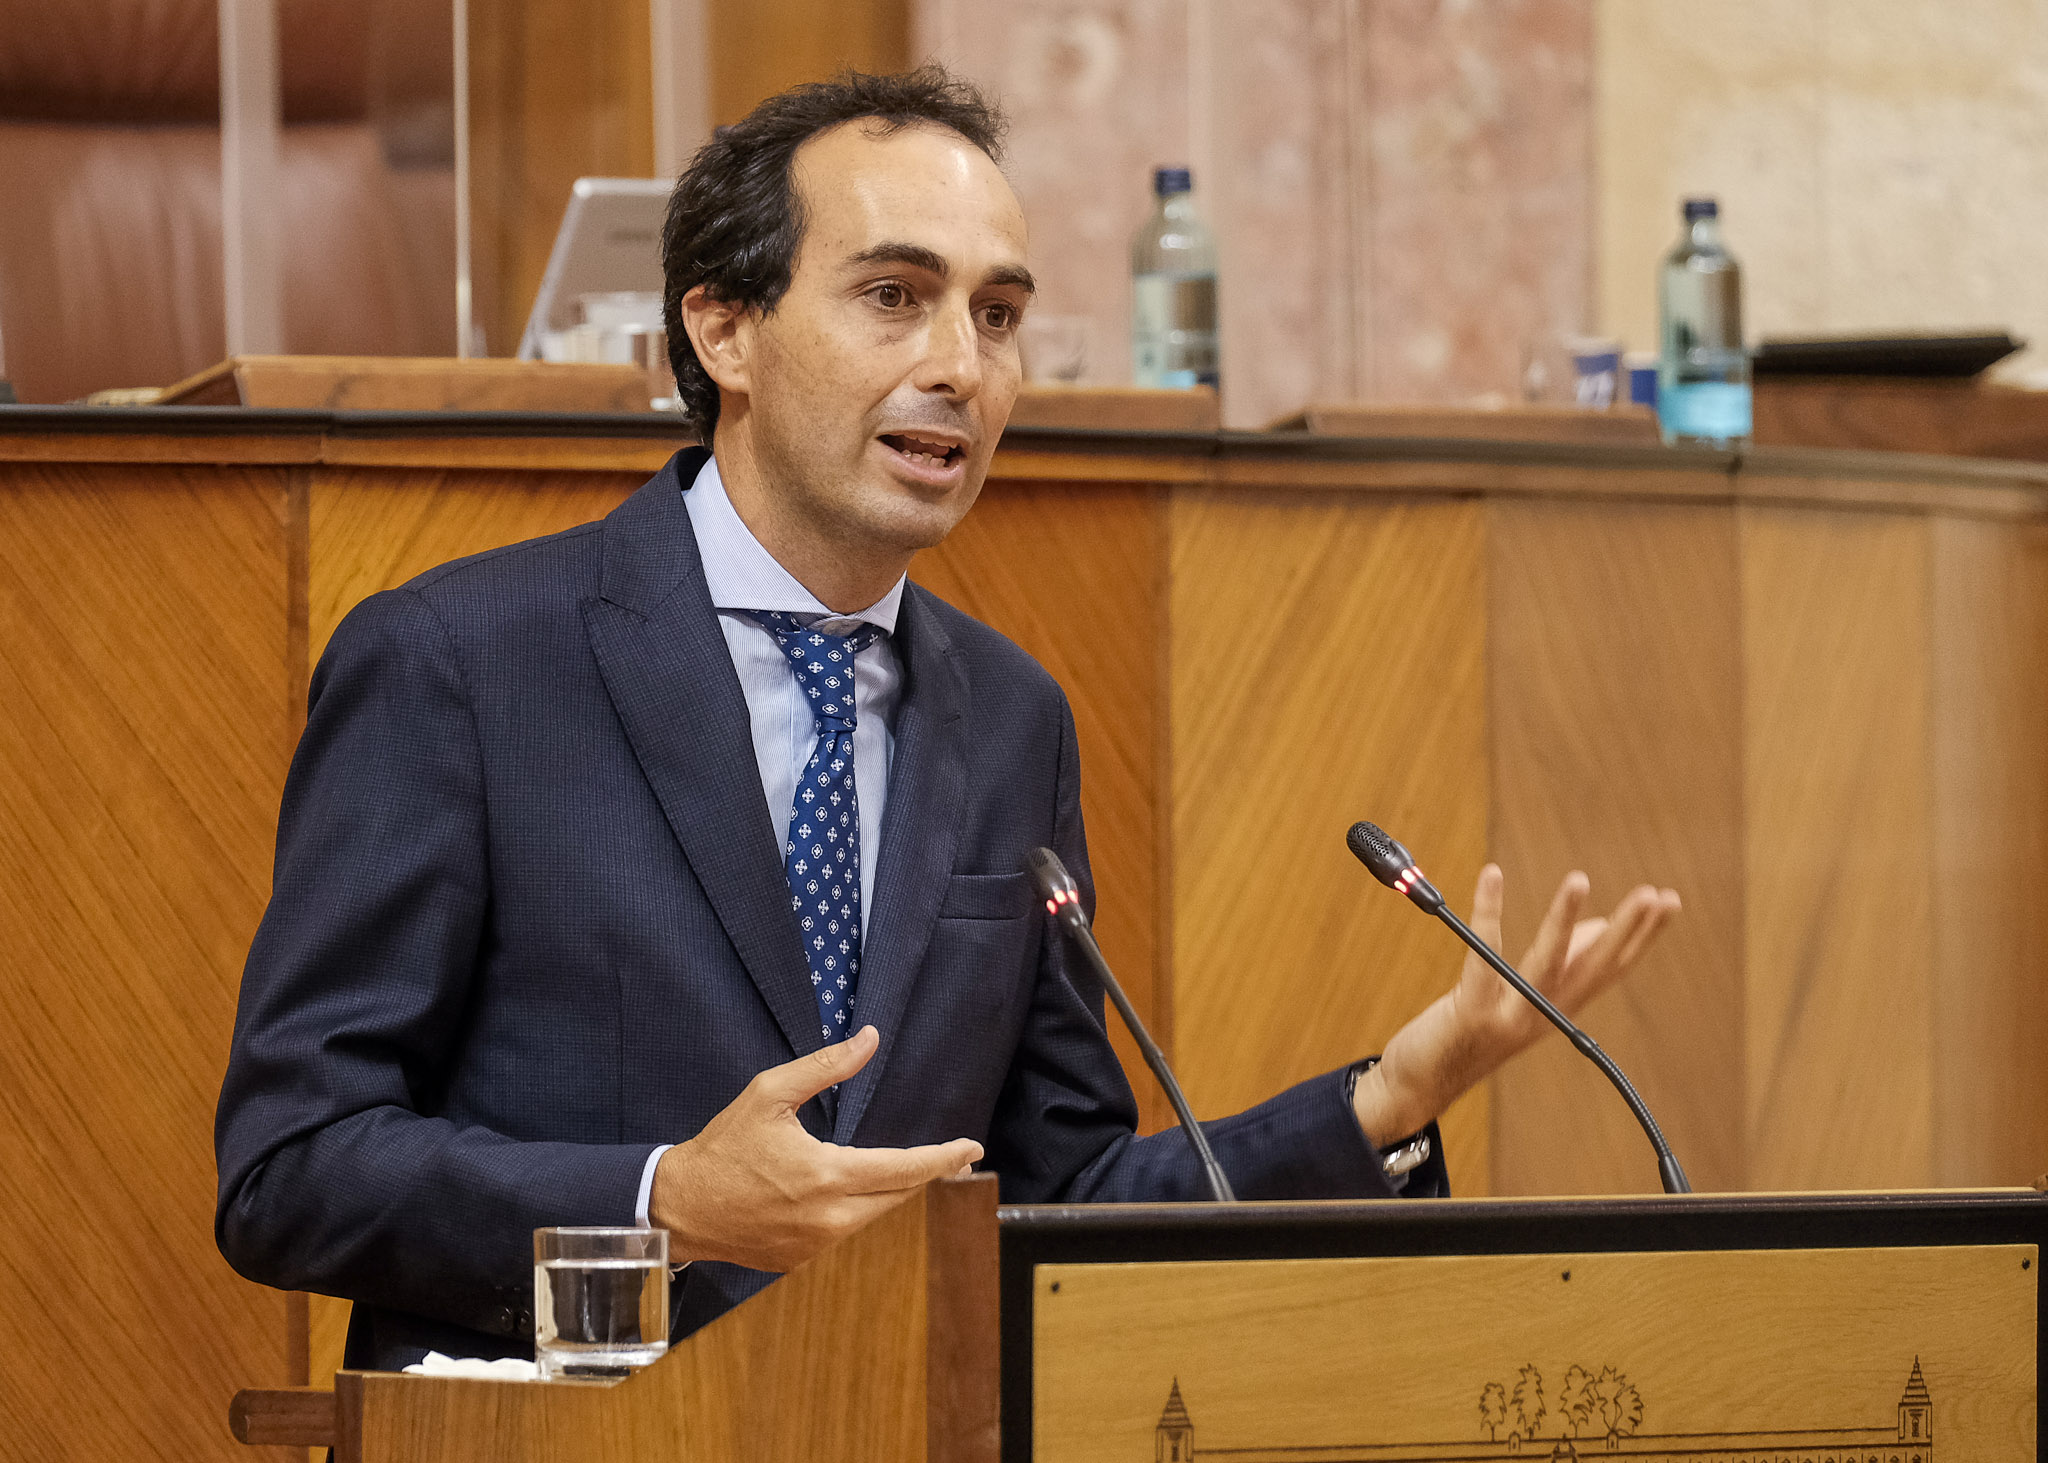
x=952 y=355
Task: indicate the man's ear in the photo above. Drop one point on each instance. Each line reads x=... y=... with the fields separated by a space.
x=723 y=335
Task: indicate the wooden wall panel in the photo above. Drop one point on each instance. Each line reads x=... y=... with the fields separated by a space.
x=1990 y=707
x=1074 y=573
x=1326 y=666
x=1614 y=675
x=143 y=729
x=760 y=47
x=559 y=90
x=375 y=528
x=1839 y=808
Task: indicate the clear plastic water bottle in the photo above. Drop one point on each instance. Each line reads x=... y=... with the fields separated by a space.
x=1702 y=368
x=1173 y=290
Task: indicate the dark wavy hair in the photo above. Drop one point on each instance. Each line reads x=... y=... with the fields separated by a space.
x=735 y=222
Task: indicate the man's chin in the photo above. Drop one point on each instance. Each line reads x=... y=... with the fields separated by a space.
x=906 y=522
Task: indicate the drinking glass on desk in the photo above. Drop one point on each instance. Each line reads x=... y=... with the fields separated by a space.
x=600 y=1300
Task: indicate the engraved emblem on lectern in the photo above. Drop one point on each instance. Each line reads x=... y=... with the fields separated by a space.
x=1596 y=1412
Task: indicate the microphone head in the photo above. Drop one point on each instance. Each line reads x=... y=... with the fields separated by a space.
x=1386 y=858
x=1056 y=886
x=1392 y=865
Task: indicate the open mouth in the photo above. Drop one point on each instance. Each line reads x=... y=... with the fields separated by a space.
x=926 y=452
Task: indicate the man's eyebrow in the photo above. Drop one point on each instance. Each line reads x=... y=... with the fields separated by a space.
x=912 y=256
x=930 y=261
x=1014 y=275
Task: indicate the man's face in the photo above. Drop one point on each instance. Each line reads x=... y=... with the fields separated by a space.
x=877 y=387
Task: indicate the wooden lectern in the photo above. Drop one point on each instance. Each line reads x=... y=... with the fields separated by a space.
x=1812 y=1328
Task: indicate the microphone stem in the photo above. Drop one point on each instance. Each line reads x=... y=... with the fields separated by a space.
x=1668 y=1170
x=1083 y=937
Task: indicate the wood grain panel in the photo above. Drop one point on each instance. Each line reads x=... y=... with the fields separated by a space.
x=1614 y=652
x=1075 y=574
x=1744 y=1354
x=1327 y=666
x=144 y=723
x=639 y=455
x=1963 y=417
x=374 y=529
x=559 y=90
x=760 y=47
x=1990 y=707
x=413 y=383
x=211 y=449
x=1839 y=813
x=775 y=1381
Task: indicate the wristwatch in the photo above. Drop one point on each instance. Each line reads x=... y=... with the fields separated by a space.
x=1397 y=1160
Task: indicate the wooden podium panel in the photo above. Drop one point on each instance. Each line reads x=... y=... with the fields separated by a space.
x=1710 y=1355
x=884 y=1349
x=1823 y=1328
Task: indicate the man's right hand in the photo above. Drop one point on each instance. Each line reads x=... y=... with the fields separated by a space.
x=755 y=1189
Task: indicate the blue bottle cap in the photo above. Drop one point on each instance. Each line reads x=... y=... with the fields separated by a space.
x=1696 y=208
x=1172 y=180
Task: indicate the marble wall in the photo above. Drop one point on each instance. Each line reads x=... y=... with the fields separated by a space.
x=1401 y=188
x=1881 y=163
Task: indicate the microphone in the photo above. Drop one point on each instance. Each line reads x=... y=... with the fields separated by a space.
x=1392 y=865
x=1063 y=902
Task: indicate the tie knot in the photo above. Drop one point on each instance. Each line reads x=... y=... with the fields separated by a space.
x=823 y=663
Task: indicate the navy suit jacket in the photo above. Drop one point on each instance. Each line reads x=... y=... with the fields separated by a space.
x=529 y=919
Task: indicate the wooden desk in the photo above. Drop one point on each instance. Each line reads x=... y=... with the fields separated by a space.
x=1805 y=688
x=1967 y=418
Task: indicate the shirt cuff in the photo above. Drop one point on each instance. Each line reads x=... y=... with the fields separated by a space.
x=647 y=1185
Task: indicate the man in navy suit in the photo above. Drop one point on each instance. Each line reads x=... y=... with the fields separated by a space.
x=668 y=869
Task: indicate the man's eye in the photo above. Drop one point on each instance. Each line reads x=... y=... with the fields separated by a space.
x=998 y=317
x=891 y=296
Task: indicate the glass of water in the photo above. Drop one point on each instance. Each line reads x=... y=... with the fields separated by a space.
x=600 y=1300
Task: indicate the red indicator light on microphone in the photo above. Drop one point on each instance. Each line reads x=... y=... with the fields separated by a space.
x=1052 y=906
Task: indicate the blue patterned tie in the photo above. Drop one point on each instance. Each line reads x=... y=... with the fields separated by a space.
x=821 y=855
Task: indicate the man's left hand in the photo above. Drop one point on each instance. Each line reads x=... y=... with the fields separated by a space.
x=1467 y=1033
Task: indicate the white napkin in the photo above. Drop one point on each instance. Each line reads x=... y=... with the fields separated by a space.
x=505 y=1369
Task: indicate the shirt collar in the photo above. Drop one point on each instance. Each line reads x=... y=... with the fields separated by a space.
x=742 y=575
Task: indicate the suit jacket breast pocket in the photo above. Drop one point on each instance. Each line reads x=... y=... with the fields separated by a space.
x=985 y=948
x=987 y=896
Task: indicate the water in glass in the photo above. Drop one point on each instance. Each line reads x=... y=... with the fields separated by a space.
x=600 y=1301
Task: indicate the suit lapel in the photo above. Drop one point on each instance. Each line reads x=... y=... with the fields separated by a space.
x=920 y=830
x=670 y=676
